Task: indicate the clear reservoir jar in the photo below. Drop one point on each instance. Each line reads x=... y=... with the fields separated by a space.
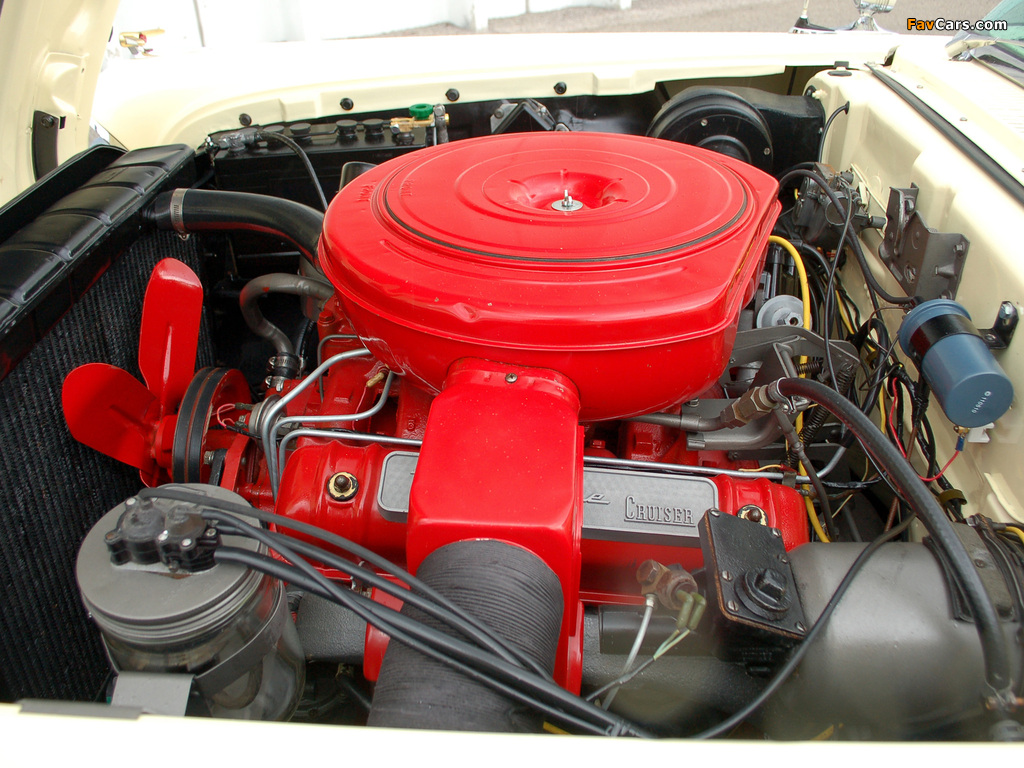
x=229 y=626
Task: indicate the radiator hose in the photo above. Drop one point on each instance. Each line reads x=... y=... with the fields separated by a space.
x=203 y=210
x=511 y=590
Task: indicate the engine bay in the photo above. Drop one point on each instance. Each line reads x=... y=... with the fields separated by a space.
x=581 y=415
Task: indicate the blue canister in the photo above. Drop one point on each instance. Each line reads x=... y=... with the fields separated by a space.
x=969 y=384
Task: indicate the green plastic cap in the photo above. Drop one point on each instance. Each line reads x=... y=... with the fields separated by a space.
x=421 y=111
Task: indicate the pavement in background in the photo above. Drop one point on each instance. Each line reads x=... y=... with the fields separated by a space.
x=716 y=16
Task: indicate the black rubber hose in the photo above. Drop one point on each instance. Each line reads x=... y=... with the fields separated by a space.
x=902 y=475
x=427 y=606
x=508 y=588
x=323 y=587
x=346 y=545
x=683 y=422
x=204 y=210
x=248 y=301
x=515 y=682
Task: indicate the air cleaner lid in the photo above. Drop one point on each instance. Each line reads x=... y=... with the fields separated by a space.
x=554 y=240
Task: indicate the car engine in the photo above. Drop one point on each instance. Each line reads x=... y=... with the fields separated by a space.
x=515 y=416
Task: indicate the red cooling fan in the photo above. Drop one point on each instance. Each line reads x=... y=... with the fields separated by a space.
x=109 y=410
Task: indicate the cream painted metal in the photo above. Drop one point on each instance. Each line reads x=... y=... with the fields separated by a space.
x=161 y=100
x=36 y=739
x=50 y=55
x=888 y=144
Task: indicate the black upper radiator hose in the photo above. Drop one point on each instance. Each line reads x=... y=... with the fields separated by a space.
x=202 y=210
x=517 y=596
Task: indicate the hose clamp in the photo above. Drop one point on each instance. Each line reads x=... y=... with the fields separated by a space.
x=177 y=212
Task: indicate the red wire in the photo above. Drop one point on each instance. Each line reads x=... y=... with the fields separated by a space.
x=892 y=418
x=896 y=439
x=220 y=416
x=943 y=470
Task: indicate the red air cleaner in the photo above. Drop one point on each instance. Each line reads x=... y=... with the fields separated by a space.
x=621 y=262
x=536 y=280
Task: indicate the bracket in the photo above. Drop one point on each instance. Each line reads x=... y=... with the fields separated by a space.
x=925 y=262
x=1000 y=334
x=45 y=128
x=538 y=117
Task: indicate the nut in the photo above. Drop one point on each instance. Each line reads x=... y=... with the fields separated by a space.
x=648 y=572
x=342 y=486
x=753 y=513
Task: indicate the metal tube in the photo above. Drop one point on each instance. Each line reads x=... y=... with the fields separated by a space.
x=326 y=418
x=268 y=418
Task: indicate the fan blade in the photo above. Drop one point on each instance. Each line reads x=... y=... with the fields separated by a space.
x=169 y=335
x=109 y=410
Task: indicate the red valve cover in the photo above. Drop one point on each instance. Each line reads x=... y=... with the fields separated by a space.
x=632 y=289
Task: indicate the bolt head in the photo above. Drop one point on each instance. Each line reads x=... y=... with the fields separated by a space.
x=342 y=486
x=647 y=572
x=800 y=627
x=726 y=576
x=511 y=378
x=186 y=543
x=732 y=606
x=163 y=536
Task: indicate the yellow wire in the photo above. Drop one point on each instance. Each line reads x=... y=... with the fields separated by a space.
x=881 y=411
x=555 y=729
x=765 y=468
x=842 y=313
x=815 y=523
x=1017 y=532
x=805 y=290
x=805 y=293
